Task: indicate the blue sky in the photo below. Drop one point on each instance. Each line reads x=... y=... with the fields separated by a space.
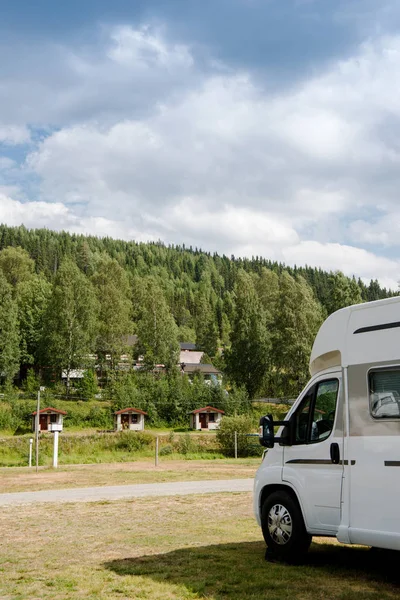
x=240 y=126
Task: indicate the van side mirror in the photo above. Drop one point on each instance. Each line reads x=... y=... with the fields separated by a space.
x=267 y=433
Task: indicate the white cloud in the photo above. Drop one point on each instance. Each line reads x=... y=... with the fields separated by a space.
x=13 y=135
x=140 y=48
x=349 y=259
x=149 y=145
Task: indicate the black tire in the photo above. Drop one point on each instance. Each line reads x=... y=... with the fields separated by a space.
x=290 y=542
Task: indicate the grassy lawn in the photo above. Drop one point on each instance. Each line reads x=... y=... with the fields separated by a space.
x=23 y=479
x=172 y=549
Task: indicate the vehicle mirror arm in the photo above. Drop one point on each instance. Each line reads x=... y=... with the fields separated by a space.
x=267 y=436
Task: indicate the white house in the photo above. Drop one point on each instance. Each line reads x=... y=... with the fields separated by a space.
x=50 y=419
x=129 y=418
x=206 y=418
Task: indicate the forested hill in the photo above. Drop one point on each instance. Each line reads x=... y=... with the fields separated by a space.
x=48 y=248
x=64 y=296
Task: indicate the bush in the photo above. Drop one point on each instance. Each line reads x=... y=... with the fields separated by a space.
x=186 y=444
x=133 y=441
x=243 y=425
x=166 y=450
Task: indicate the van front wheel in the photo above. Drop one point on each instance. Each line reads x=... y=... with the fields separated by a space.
x=283 y=527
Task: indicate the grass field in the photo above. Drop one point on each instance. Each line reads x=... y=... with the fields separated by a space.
x=24 y=479
x=172 y=549
x=107 y=447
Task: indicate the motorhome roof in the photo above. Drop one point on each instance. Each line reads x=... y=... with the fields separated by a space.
x=358 y=334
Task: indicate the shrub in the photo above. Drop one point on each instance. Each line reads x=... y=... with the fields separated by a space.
x=165 y=450
x=243 y=425
x=186 y=444
x=132 y=441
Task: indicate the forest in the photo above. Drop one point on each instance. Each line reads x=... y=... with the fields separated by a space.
x=70 y=301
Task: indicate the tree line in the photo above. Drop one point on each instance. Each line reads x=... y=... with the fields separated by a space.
x=71 y=301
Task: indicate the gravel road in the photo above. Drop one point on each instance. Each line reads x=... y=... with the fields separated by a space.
x=125 y=492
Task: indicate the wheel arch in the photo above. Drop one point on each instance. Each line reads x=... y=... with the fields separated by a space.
x=279 y=487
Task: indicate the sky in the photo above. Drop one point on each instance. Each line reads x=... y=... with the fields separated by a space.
x=247 y=127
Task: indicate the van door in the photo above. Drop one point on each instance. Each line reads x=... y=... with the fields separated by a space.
x=314 y=464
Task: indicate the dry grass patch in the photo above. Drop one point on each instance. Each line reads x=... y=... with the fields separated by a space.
x=172 y=548
x=22 y=479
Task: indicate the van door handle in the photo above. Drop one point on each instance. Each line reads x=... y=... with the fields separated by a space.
x=335 y=453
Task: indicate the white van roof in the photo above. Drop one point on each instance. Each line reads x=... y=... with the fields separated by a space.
x=358 y=334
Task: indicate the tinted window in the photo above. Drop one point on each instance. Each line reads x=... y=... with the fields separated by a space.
x=384 y=393
x=315 y=418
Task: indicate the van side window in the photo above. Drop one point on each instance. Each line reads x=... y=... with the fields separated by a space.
x=384 y=393
x=316 y=415
x=325 y=409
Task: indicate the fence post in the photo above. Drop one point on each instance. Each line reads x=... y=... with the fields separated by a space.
x=236 y=444
x=30 y=451
x=156 y=461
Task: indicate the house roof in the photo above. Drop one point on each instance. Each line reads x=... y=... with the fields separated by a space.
x=130 y=410
x=190 y=356
x=207 y=369
x=187 y=346
x=207 y=409
x=50 y=409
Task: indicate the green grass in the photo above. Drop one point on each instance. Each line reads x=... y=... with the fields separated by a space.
x=181 y=548
x=81 y=448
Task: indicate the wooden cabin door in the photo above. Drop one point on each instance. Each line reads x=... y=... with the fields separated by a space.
x=203 y=420
x=43 y=422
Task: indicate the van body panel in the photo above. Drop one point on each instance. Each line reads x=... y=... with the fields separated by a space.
x=357 y=499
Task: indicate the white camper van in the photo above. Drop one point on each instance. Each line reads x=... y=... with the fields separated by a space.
x=333 y=468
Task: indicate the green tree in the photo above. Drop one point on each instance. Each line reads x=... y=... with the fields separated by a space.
x=33 y=298
x=297 y=320
x=87 y=386
x=156 y=328
x=9 y=334
x=342 y=292
x=114 y=296
x=16 y=264
x=247 y=360
x=70 y=321
x=206 y=326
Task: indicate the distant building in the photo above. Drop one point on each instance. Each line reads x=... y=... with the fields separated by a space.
x=50 y=419
x=129 y=418
x=209 y=372
x=206 y=418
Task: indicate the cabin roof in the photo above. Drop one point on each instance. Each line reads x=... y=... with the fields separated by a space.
x=50 y=409
x=207 y=409
x=130 y=410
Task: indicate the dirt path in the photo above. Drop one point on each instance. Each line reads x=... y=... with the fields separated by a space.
x=119 y=492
